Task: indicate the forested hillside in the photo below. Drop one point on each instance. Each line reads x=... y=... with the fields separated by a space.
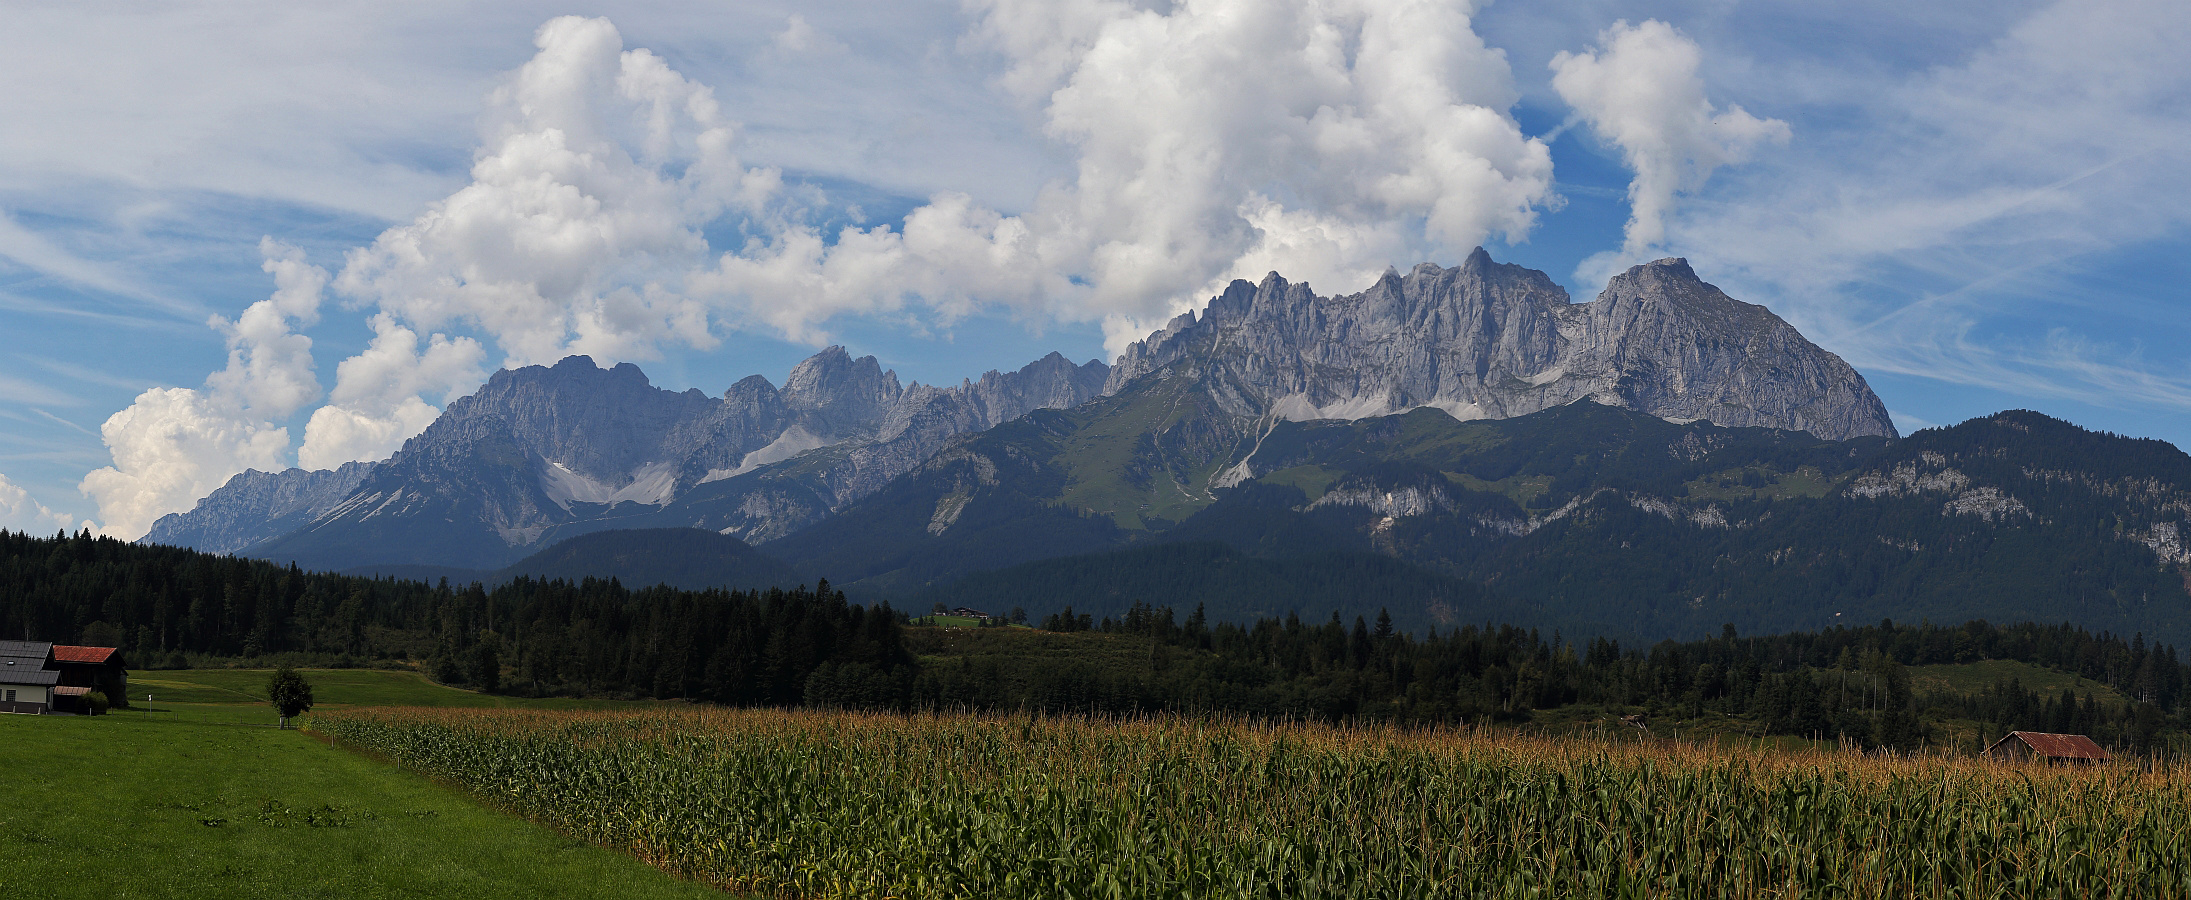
x=1583 y=518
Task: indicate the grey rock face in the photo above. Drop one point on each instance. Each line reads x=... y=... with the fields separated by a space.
x=776 y=500
x=255 y=506
x=1489 y=340
x=544 y=452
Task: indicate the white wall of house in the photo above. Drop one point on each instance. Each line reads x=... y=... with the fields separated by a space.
x=28 y=693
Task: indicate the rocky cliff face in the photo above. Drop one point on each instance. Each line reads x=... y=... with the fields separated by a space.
x=1487 y=340
x=762 y=503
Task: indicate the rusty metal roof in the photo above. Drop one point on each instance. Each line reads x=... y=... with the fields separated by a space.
x=2056 y=746
x=93 y=655
x=65 y=691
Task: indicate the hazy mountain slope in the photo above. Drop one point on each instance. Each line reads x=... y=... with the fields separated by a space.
x=1138 y=462
x=255 y=506
x=1231 y=586
x=1590 y=518
x=1052 y=483
x=543 y=453
x=687 y=558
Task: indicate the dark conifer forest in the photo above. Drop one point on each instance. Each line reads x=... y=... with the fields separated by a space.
x=163 y=605
x=808 y=645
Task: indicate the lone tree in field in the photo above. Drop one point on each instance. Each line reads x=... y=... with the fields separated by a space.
x=289 y=693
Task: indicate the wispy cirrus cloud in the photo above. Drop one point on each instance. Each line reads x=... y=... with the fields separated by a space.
x=1957 y=223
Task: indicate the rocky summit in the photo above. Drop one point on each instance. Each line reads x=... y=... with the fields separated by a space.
x=1486 y=340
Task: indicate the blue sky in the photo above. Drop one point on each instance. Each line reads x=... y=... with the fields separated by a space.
x=257 y=234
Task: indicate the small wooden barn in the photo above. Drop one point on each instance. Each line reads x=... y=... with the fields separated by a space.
x=2060 y=749
x=99 y=669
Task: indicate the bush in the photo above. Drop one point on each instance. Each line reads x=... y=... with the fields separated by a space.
x=290 y=694
x=97 y=703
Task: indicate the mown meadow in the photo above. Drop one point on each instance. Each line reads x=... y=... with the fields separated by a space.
x=199 y=795
x=837 y=804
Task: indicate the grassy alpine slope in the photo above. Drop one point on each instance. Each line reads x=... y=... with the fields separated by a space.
x=199 y=799
x=842 y=804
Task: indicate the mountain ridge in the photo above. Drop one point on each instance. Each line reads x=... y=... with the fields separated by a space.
x=1658 y=339
x=543 y=453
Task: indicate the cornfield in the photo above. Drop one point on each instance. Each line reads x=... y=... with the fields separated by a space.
x=812 y=804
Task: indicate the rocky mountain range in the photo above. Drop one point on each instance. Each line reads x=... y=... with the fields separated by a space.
x=543 y=453
x=1489 y=341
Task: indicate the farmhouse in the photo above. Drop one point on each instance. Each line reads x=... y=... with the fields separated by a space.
x=27 y=677
x=2060 y=749
x=37 y=677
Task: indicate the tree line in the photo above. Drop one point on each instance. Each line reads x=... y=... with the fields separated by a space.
x=1843 y=682
x=809 y=645
x=164 y=605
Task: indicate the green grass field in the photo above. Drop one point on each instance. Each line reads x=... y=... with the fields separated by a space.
x=947 y=621
x=331 y=687
x=198 y=797
x=1974 y=678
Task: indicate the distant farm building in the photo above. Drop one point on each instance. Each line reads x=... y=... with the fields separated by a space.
x=970 y=612
x=37 y=677
x=2065 y=749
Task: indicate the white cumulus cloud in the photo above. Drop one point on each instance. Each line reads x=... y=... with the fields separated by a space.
x=577 y=234
x=1640 y=91
x=174 y=445
x=583 y=215
x=378 y=400
x=1218 y=139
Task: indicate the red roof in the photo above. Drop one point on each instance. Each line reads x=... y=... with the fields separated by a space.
x=94 y=655
x=2051 y=746
x=66 y=691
